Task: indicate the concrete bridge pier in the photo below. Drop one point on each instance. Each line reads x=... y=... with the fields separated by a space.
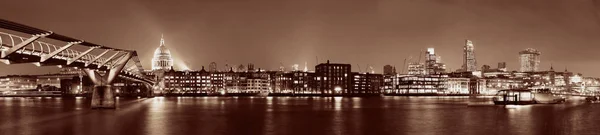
x=148 y=92
x=103 y=96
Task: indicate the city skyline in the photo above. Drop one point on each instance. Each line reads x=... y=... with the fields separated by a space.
x=342 y=39
x=299 y=67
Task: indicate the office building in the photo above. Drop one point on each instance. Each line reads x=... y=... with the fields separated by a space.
x=333 y=78
x=433 y=63
x=530 y=60
x=365 y=84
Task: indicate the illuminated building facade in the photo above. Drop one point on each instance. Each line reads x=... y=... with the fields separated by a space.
x=231 y=81
x=591 y=85
x=216 y=81
x=192 y=82
x=280 y=82
x=246 y=82
x=469 y=62
x=254 y=83
x=333 y=78
x=556 y=81
x=496 y=73
x=18 y=82
x=61 y=83
x=293 y=83
x=419 y=85
x=301 y=82
x=457 y=85
x=530 y=60
x=416 y=68
x=162 y=59
x=390 y=83
x=476 y=84
x=494 y=84
x=366 y=84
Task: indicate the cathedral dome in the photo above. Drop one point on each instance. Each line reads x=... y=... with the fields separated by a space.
x=162 y=51
x=162 y=57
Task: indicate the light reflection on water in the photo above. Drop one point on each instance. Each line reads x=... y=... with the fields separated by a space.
x=157 y=122
x=301 y=115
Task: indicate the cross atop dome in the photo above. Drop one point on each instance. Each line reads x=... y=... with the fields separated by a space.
x=162 y=40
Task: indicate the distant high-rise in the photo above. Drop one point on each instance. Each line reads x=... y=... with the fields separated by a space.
x=250 y=67
x=388 y=70
x=281 y=68
x=295 y=67
x=469 y=62
x=502 y=66
x=433 y=63
x=162 y=59
x=530 y=60
x=241 y=68
x=486 y=68
x=305 y=66
x=212 y=67
x=227 y=67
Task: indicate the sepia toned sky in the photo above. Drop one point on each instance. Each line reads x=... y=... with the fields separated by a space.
x=361 y=32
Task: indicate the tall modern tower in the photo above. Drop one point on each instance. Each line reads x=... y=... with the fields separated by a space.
x=469 y=62
x=430 y=60
x=433 y=63
x=530 y=60
x=162 y=59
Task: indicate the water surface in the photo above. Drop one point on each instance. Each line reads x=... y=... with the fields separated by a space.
x=294 y=116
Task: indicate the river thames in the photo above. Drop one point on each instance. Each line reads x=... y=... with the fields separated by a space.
x=294 y=116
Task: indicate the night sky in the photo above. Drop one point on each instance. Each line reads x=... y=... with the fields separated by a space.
x=360 y=32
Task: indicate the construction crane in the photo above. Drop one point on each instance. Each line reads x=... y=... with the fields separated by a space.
x=404 y=66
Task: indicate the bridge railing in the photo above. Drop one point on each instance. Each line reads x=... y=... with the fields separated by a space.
x=39 y=48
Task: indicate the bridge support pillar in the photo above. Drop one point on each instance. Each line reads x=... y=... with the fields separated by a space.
x=103 y=97
x=149 y=91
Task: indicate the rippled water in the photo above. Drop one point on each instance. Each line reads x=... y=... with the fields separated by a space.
x=294 y=116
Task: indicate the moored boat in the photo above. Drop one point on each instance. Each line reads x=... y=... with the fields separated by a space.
x=263 y=93
x=514 y=97
x=544 y=96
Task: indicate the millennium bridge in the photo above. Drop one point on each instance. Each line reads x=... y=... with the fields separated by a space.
x=22 y=44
